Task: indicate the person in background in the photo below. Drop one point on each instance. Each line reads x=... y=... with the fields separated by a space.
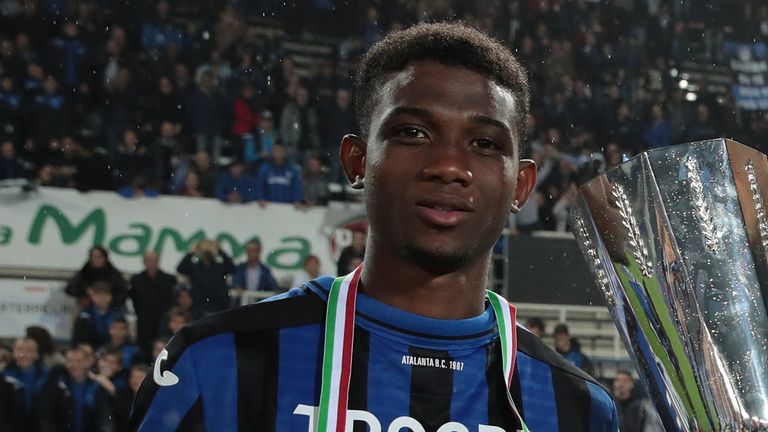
x=173 y=321
x=93 y=323
x=48 y=354
x=47 y=406
x=11 y=403
x=311 y=270
x=110 y=373
x=279 y=181
x=88 y=355
x=236 y=186
x=315 y=181
x=569 y=348
x=207 y=268
x=119 y=338
x=10 y=164
x=253 y=275
x=98 y=268
x=354 y=250
x=152 y=294
x=267 y=135
x=122 y=402
x=82 y=388
x=536 y=326
x=636 y=412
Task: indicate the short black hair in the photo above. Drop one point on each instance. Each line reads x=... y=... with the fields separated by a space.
x=452 y=44
x=561 y=329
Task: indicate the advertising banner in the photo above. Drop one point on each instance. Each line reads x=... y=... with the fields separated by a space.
x=54 y=228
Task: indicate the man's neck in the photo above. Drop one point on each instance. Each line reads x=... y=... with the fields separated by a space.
x=401 y=283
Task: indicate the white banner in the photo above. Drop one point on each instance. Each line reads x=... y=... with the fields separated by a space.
x=54 y=228
x=35 y=302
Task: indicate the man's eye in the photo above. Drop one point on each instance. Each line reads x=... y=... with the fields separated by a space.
x=487 y=144
x=410 y=132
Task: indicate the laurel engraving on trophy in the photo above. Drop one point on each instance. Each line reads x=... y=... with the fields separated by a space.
x=602 y=278
x=701 y=207
x=758 y=201
x=639 y=251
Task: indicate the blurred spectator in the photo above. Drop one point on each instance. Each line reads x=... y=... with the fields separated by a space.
x=562 y=207
x=536 y=326
x=702 y=127
x=569 y=348
x=122 y=402
x=636 y=412
x=119 y=338
x=163 y=153
x=315 y=183
x=159 y=32
x=205 y=110
x=10 y=165
x=88 y=169
x=11 y=100
x=69 y=55
x=130 y=159
x=185 y=303
x=207 y=268
x=354 y=250
x=658 y=133
x=47 y=406
x=109 y=374
x=236 y=186
x=191 y=186
x=279 y=180
x=49 y=356
x=93 y=323
x=138 y=188
x=245 y=125
x=206 y=173
x=173 y=322
x=83 y=390
x=253 y=275
x=311 y=270
x=98 y=268
x=299 y=127
x=11 y=404
x=50 y=108
x=152 y=294
x=165 y=105
x=267 y=135
x=338 y=121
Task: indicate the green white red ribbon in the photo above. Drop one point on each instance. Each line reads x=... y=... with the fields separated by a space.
x=337 y=350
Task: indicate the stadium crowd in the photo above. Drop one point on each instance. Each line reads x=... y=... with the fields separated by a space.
x=170 y=97
x=207 y=100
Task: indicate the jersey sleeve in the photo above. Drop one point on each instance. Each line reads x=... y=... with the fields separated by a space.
x=191 y=387
x=603 y=415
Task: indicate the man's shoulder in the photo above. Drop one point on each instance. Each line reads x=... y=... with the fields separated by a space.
x=297 y=307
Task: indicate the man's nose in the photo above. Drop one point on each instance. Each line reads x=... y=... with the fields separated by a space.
x=448 y=162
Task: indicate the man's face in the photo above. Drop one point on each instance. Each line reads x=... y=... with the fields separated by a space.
x=562 y=342
x=441 y=164
x=75 y=364
x=278 y=154
x=151 y=261
x=109 y=365
x=253 y=252
x=25 y=352
x=118 y=332
x=101 y=299
x=623 y=385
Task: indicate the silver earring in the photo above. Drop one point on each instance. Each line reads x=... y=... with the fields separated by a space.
x=515 y=204
x=358 y=183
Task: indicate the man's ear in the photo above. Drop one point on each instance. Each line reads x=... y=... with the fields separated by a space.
x=352 y=158
x=526 y=183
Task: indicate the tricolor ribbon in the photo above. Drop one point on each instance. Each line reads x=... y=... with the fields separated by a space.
x=337 y=350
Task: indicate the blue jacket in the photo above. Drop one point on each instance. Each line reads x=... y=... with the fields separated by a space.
x=280 y=183
x=267 y=281
x=245 y=185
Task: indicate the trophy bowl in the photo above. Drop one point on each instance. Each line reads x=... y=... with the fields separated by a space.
x=677 y=240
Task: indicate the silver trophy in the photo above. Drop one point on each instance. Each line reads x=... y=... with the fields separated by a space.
x=677 y=240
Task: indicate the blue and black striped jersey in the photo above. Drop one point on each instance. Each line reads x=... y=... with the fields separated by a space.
x=257 y=368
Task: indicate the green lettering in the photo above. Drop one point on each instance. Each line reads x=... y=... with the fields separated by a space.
x=69 y=233
x=181 y=244
x=236 y=249
x=140 y=240
x=6 y=233
x=290 y=258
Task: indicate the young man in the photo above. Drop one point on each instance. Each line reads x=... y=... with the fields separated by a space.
x=410 y=340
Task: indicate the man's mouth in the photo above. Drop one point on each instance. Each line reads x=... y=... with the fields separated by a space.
x=444 y=212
